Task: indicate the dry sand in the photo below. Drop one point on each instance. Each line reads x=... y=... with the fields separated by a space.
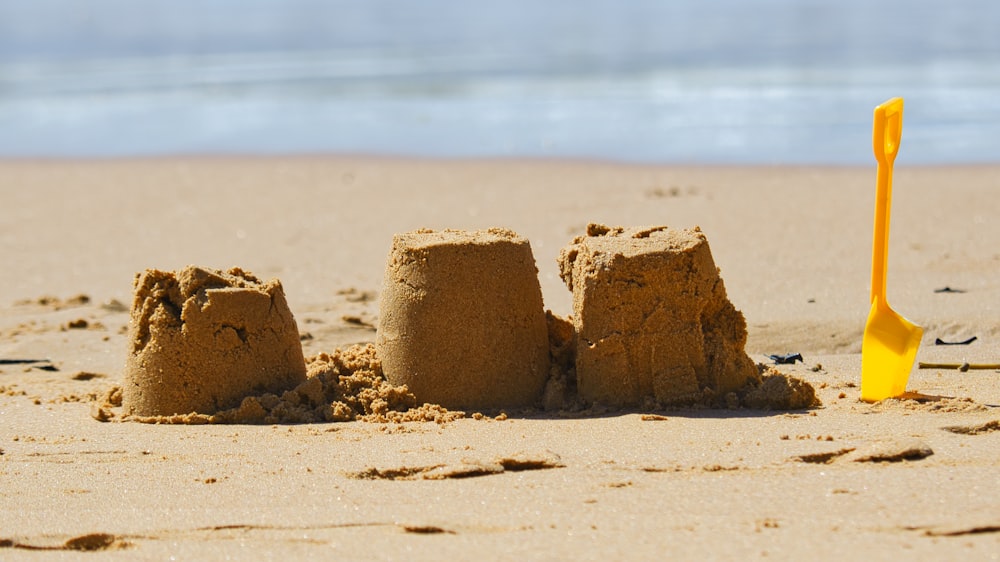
x=904 y=478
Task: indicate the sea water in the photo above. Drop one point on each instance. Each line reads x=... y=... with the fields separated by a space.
x=665 y=81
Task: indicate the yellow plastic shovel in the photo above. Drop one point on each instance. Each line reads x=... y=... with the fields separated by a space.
x=890 y=342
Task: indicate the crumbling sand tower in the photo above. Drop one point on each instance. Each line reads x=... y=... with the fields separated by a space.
x=652 y=318
x=201 y=340
x=461 y=319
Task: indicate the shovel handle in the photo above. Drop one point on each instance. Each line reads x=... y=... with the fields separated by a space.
x=887 y=130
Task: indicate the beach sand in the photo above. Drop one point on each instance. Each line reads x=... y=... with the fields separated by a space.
x=902 y=478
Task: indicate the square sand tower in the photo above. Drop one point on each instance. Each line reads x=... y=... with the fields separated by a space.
x=652 y=318
x=461 y=321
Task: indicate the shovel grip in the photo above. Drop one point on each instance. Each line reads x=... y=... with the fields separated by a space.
x=887 y=131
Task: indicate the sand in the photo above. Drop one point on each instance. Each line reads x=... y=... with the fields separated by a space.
x=652 y=319
x=913 y=477
x=201 y=340
x=461 y=320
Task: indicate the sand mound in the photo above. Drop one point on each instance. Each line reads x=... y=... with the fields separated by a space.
x=652 y=318
x=346 y=385
x=461 y=320
x=201 y=340
x=775 y=391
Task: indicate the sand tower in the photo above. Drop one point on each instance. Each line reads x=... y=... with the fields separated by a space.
x=202 y=340
x=652 y=318
x=461 y=320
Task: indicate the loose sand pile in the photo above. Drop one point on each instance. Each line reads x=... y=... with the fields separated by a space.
x=346 y=385
x=202 y=340
x=652 y=318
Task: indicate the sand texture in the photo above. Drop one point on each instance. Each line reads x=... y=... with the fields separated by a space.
x=342 y=463
x=461 y=321
x=652 y=318
x=201 y=340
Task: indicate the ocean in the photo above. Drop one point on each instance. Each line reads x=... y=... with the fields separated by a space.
x=668 y=81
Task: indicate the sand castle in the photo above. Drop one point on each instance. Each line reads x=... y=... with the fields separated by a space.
x=652 y=318
x=201 y=340
x=461 y=325
x=461 y=320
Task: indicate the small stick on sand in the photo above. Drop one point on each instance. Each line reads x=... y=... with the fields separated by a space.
x=22 y=361
x=960 y=366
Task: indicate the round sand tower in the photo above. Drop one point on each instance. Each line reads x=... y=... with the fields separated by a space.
x=202 y=340
x=461 y=320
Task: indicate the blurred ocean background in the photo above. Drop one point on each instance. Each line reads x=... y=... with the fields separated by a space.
x=664 y=81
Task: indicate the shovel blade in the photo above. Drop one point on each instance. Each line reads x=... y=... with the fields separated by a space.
x=888 y=350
